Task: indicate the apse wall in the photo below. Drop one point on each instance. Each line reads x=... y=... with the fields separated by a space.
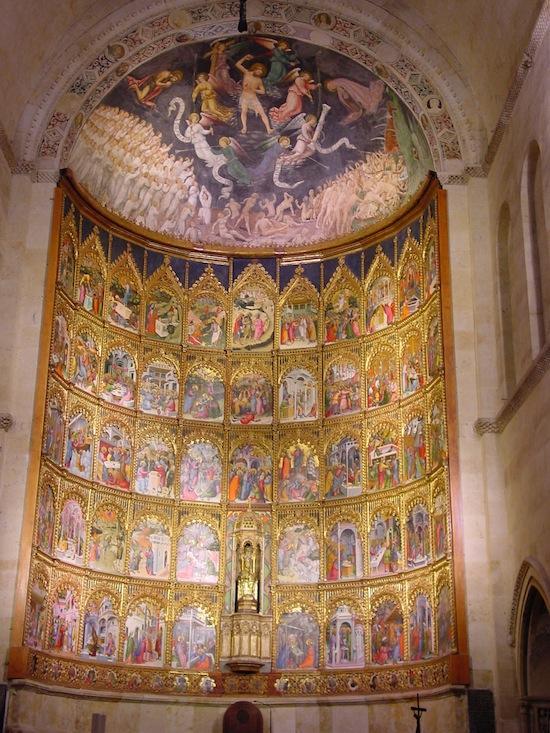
x=184 y=390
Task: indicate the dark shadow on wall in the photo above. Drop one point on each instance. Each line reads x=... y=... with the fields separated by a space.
x=242 y=717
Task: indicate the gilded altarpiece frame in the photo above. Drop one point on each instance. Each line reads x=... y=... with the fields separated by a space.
x=343 y=441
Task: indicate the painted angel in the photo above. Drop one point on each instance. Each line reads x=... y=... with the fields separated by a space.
x=283 y=60
x=219 y=75
x=211 y=108
x=307 y=142
x=302 y=86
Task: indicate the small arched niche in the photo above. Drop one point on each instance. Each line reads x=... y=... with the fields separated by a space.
x=243 y=717
x=536 y=646
x=537 y=259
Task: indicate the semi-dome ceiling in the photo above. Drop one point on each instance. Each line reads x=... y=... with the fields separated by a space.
x=252 y=141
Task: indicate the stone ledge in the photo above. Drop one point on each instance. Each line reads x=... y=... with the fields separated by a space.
x=535 y=374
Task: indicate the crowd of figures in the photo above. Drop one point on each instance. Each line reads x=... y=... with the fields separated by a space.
x=142 y=638
x=123 y=162
x=256 y=146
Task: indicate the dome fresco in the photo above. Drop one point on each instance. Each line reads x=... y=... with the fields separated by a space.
x=252 y=142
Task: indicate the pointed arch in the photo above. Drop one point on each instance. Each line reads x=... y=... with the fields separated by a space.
x=530 y=621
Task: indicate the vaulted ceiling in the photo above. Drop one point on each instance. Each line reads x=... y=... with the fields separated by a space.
x=56 y=65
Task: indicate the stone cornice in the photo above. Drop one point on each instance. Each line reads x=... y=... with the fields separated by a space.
x=497 y=424
x=6 y=421
x=542 y=24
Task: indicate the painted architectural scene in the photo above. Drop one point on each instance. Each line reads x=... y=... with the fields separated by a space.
x=54 y=427
x=119 y=379
x=444 y=622
x=45 y=519
x=418 y=537
x=201 y=472
x=345 y=641
x=414 y=448
x=155 y=468
x=71 y=533
x=438 y=441
x=344 y=557
x=297 y=641
x=412 y=369
x=101 y=630
x=64 y=623
x=384 y=545
x=421 y=629
x=410 y=288
x=114 y=458
x=268 y=140
x=342 y=389
x=383 y=458
x=78 y=447
x=149 y=550
x=343 y=469
x=433 y=348
x=382 y=379
x=193 y=641
x=159 y=390
x=440 y=525
x=35 y=632
x=298 y=396
x=145 y=635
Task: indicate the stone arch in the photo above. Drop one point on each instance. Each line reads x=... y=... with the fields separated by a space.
x=505 y=299
x=243 y=717
x=49 y=124
x=530 y=622
x=537 y=257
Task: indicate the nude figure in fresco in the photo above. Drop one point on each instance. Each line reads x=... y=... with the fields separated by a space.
x=252 y=86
